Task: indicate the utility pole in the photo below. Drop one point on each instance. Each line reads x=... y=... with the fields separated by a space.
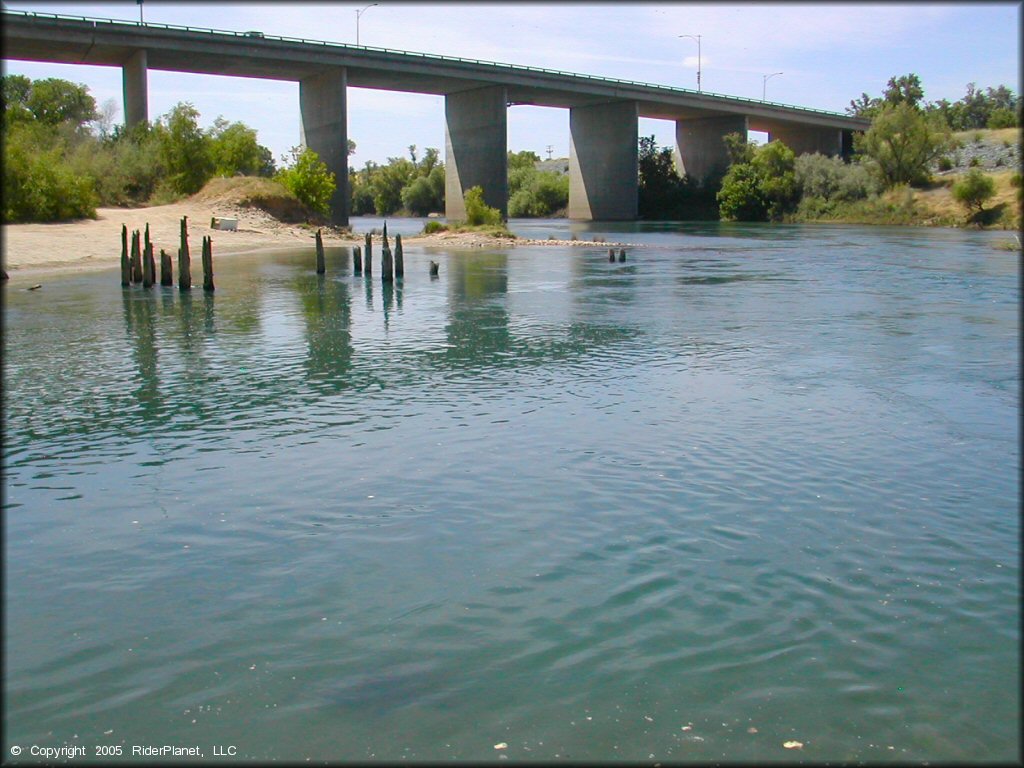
x=550 y=148
x=140 y=10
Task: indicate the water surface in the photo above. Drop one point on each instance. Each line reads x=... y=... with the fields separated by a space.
x=756 y=484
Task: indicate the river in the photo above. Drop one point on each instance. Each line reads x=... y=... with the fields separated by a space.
x=755 y=486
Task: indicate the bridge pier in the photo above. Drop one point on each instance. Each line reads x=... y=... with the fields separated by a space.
x=323 y=105
x=476 y=148
x=136 y=92
x=699 y=146
x=807 y=139
x=603 y=161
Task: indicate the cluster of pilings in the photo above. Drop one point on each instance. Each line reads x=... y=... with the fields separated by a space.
x=138 y=265
x=611 y=254
x=392 y=264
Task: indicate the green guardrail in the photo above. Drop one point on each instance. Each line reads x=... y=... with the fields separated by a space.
x=455 y=59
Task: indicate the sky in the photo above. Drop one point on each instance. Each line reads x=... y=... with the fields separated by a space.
x=827 y=54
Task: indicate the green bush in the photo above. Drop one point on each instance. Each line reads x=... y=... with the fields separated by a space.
x=765 y=188
x=39 y=186
x=974 y=190
x=432 y=227
x=945 y=164
x=477 y=211
x=185 y=150
x=309 y=180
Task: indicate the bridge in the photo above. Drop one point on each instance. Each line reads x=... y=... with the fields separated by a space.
x=603 y=112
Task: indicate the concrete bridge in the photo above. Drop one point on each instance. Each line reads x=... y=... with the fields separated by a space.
x=603 y=112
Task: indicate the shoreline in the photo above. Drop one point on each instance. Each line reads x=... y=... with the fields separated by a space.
x=31 y=250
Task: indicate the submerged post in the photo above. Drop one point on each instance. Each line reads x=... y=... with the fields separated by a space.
x=367 y=267
x=184 y=261
x=166 y=269
x=357 y=261
x=321 y=267
x=207 y=263
x=622 y=254
x=126 y=268
x=399 y=259
x=611 y=254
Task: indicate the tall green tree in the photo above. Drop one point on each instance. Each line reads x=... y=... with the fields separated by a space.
x=901 y=143
x=762 y=188
x=185 y=149
x=308 y=178
x=234 y=149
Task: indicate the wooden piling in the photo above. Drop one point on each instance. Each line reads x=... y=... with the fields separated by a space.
x=148 y=276
x=434 y=266
x=386 y=264
x=321 y=266
x=208 y=264
x=399 y=258
x=166 y=269
x=126 y=266
x=368 y=264
x=357 y=261
x=622 y=254
x=136 y=258
x=611 y=254
x=184 y=260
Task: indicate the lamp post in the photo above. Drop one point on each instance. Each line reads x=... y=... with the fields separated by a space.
x=360 y=13
x=697 y=38
x=764 y=82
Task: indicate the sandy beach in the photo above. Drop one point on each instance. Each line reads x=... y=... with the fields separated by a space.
x=31 y=249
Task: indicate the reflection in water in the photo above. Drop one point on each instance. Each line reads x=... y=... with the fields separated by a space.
x=327 y=317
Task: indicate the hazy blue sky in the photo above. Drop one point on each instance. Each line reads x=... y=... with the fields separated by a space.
x=828 y=53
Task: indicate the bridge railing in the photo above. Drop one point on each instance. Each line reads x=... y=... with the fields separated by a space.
x=521 y=67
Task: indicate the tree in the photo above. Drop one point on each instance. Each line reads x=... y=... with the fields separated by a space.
x=185 y=149
x=54 y=101
x=974 y=190
x=659 y=185
x=901 y=142
x=234 y=149
x=904 y=90
x=309 y=180
x=763 y=188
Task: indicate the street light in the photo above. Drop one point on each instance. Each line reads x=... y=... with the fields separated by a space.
x=764 y=82
x=697 y=38
x=360 y=13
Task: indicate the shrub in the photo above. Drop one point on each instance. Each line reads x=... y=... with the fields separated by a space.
x=973 y=190
x=309 y=180
x=974 y=162
x=38 y=186
x=432 y=227
x=477 y=211
x=945 y=164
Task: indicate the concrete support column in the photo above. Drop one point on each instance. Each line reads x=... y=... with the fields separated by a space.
x=700 y=150
x=804 y=140
x=323 y=105
x=476 y=148
x=136 y=92
x=603 y=162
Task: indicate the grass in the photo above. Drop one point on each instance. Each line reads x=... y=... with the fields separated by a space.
x=489 y=230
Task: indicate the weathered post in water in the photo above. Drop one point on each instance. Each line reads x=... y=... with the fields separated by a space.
x=148 y=274
x=321 y=266
x=136 y=258
x=126 y=267
x=184 y=261
x=611 y=254
x=434 y=267
x=386 y=264
x=357 y=261
x=368 y=266
x=166 y=269
x=622 y=254
x=399 y=259
x=208 y=263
